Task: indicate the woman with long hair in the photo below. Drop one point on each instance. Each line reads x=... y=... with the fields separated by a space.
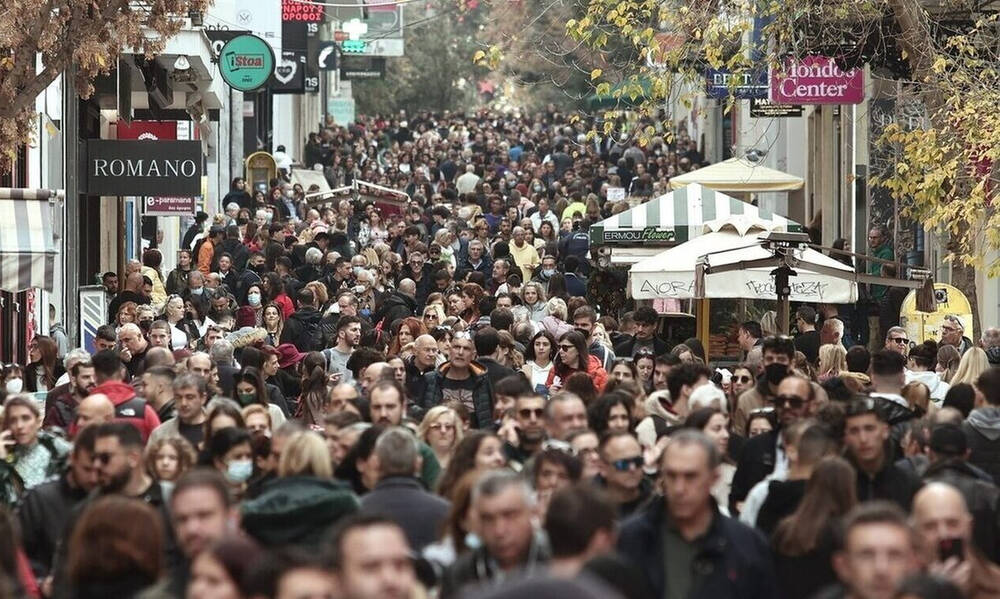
x=229 y=451
x=441 y=430
x=116 y=549
x=472 y=294
x=803 y=543
x=314 y=399
x=832 y=360
x=539 y=355
x=478 y=450
x=611 y=413
x=948 y=360
x=572 y=357
x=273 y=323
x=222 y=413
x=557 y=287
x=168 y=457
x=222 y=569
x=534 y=298
x=274 y=289
x=177 y=279
x=44 y=367
x=510 y=356
x=249 y=388
x=182 y=331
x=972 y=364
x=28 y=455
x=623 y=370
x=151 y=261
x=409 y=329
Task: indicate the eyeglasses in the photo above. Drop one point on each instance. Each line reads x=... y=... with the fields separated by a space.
x=743 y=378
x=900 y=340
x=626 y=464
x=529 y=412
x=793 y=401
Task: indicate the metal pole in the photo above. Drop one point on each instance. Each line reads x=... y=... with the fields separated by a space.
x=71 y=205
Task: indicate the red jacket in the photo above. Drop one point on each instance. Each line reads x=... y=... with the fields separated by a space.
x=594 y=369
x=128 y=407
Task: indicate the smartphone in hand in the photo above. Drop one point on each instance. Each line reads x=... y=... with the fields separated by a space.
x=948 y=548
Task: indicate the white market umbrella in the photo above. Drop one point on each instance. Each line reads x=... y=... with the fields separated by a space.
x=673 y=272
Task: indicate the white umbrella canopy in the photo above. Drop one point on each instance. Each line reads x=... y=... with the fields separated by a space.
x=739 y=175
x=673 y=272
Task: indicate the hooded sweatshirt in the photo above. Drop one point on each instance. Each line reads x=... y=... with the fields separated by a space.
x=938 y=388
x=129 y=408
x=982 y=430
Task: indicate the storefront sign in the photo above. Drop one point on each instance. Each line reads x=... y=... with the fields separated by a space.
x=142 y=168
x=168 y=206
x=721 y=83
x=761 y=108
x=816 y=80
x=246 y=62
x=362 y=67
x=648 y=234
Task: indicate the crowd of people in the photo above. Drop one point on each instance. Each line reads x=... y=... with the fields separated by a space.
x=335 y=401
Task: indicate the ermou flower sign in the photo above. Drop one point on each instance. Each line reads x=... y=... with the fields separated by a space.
x=816 y=80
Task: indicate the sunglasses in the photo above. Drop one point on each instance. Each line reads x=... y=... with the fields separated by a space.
x=792 y=401
x=529 y=412
x=743 y=378
x=900 y=340
x=431 y=315
x=567 y=347
x=627 y=464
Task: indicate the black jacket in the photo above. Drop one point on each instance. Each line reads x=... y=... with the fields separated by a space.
x=299 y=326
x=236 y=249
x=494 y=370
x=891 y=483
x=482 y=395
x=43 y=514
x=625 y=348
x=982 y=433
x=415 y=383
x=732 y=559
x=403 y=499
x=783 y=497
x=982 y=498
x=477 y=568
x=757 y=460
x=396 y=306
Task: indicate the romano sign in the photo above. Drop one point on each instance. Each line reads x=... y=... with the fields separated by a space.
x=143 y=168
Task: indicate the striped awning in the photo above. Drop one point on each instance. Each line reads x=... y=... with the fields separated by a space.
x=27 y=246
x=681 y=215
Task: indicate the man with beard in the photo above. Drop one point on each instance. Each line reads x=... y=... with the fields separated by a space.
x=62 y=402
x=388 y=410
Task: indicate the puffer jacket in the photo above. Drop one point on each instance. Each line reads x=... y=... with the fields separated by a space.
x=982 y=431
x=594 y=369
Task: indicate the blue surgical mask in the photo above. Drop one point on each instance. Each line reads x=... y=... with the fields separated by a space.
x=197 y=291
x=548 y=272
x=253 y=299
x=239 y=471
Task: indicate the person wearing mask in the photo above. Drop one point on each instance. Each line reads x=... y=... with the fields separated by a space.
x=682 y=532
x=505 y=504
x=777 y=355
x=866 y=432
x=399 y=494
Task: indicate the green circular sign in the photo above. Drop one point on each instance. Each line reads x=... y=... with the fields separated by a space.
x=246 y=62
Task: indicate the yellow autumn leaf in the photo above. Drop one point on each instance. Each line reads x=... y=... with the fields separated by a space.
x=595 y=74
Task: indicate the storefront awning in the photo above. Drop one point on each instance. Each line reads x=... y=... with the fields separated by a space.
x=680 y=215
x=307 y=177
x=27 y=247
x=739 y=175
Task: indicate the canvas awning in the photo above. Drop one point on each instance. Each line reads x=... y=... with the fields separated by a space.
x=672 y=273
x=27 y=245
x=307 y=177
x=681 y=215
x=739 y=175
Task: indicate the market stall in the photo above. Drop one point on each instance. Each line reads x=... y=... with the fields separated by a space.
x=676 y=217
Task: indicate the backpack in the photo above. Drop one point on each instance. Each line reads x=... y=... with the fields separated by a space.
x=312 y=334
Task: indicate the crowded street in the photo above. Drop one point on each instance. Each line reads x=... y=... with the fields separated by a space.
x=270 y=329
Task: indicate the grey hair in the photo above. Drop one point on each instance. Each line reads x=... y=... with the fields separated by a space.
x=221 y=352
x=496 y=482
x=397 y=452
x=188 y=380
x=75 y=355
x=895 y=330
x=956 y=321
x=314 y=255
x=687 y=437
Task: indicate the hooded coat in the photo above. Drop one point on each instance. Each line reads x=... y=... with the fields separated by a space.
x=982 y=431
x=128 y=407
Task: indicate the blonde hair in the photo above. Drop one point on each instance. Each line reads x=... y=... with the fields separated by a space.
x=305 y=454
x=832 y=358
x=319 y=292
x=556 y=307
x=186 y=456
x=433 y=415
x=973 y=363
x=256 y=409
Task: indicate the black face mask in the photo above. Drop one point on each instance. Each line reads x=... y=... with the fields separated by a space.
x=776 y=372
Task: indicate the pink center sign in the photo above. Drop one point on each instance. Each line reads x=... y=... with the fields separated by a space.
x=816 y=80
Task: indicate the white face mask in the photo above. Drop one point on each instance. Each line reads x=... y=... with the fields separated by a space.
x=15 y=385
